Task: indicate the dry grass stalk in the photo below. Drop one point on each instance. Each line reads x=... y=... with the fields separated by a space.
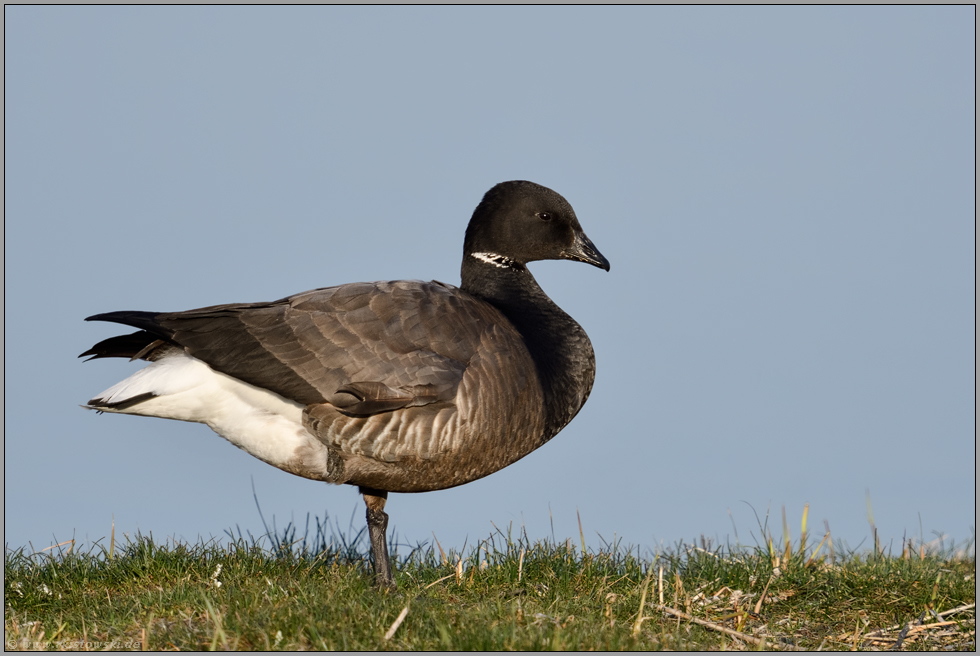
x=787 y=543
x=442 y=554
x=397 y=623
x=447 y=576
x=643 y=603
x=681 y=615
x=61 y=544
x=817 y=550
x=806 y=511
x=762 y=597
x=908 y=631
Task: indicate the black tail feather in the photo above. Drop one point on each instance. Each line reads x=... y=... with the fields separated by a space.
x=143 y=320
x=100 y=405
x=134 y=345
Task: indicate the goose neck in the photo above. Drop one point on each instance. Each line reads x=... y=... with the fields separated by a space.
x=562 y=352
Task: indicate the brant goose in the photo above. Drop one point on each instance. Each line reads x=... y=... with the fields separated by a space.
x=402 y=386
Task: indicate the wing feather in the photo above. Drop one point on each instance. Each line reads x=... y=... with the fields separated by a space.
x=411 y=340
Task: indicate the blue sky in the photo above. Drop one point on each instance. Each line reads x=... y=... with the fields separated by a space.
x=786 y=196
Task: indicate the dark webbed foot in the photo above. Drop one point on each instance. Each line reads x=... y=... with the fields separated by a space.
x=377 y=521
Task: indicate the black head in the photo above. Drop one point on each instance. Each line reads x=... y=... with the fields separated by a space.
x=519 y=222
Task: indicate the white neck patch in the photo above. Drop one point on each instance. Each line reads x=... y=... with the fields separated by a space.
x=499 y=261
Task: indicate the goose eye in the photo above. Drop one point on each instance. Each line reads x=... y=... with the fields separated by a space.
x=544 y=216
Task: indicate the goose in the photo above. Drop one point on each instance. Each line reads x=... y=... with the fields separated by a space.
x=397 y=386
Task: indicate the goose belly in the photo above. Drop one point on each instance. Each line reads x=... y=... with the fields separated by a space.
x=491 y=423
x=262 y=423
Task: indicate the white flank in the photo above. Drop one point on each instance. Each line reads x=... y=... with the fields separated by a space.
x=266 y=425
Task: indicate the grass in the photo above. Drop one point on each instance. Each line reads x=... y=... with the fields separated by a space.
x=289 y=593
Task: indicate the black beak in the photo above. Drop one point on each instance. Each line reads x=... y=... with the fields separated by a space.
x=583 y=250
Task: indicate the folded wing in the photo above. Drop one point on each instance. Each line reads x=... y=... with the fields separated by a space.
x=365 y=348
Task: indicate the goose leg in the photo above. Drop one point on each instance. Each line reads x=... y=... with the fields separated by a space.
x=377 y=522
